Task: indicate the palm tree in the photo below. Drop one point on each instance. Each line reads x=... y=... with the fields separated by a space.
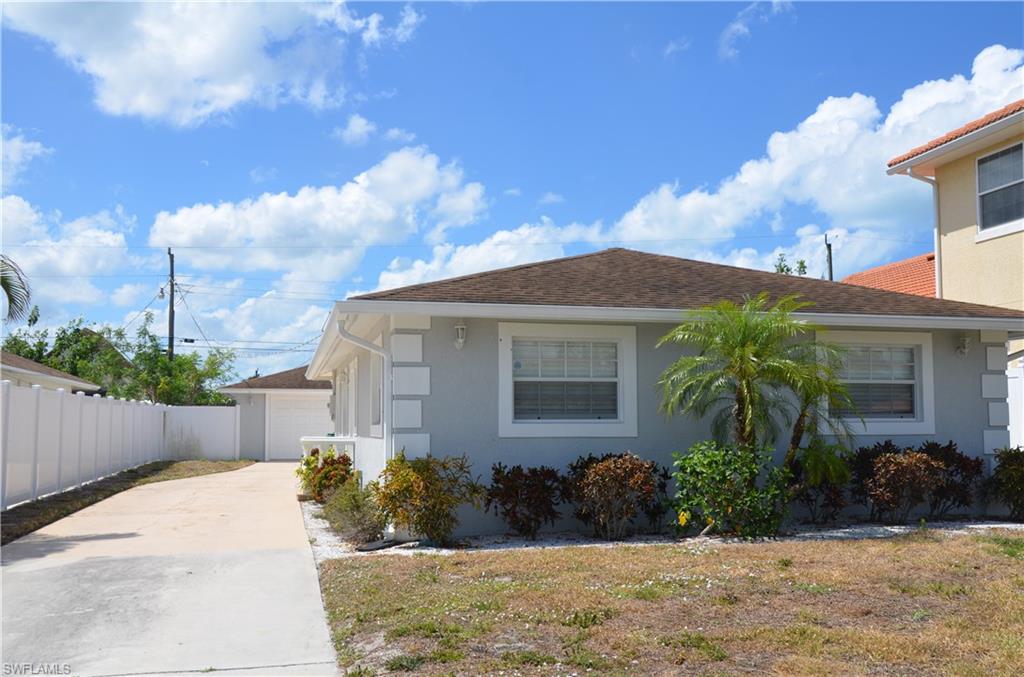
x=753 y=361
x=15 y=287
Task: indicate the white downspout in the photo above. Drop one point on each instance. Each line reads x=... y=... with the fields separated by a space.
x=938 y=234
x=385 y=414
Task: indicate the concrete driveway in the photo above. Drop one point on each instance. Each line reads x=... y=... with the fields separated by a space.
x=173 y=577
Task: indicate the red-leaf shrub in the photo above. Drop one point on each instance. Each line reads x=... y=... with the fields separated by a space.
x=960 y=478
x=610 y=491
x=901 y=482
x=331 y=474
x=1007 y=482
x=524 y=498
x=862 y=469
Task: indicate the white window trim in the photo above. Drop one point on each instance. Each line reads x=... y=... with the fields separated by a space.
x=1002 y=229
x=624 y=336
x=925 y=423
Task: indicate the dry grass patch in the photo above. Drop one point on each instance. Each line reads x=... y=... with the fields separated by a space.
x=921 y=604
x=25 y=518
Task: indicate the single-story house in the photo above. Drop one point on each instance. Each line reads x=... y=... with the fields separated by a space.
x=540 y=363
x=22 y=371
x=276 y=410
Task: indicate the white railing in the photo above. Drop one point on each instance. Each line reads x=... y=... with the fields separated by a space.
x=52 y=440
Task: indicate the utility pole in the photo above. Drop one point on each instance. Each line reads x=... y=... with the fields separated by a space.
x=827 y=253
x=170 y=309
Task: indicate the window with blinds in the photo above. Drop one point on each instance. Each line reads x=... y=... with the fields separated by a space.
x=1001 y=187
x=881 y=380
x=574 y=380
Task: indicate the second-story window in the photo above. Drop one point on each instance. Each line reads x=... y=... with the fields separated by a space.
x=1001 y=187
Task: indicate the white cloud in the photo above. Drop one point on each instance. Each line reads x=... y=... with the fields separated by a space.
x=356 y=132
x=63 y=256
x=409 y=190
x=512 y=192
x=525 y=244
x=457 y=208
x=262 y=174
x=739 y=27
x=18 y=152
x=130 y=293
x=834 y=162
x=675 y=46
x=400 y=135
x=408 y=22
x=550 y=198
x=186 y=62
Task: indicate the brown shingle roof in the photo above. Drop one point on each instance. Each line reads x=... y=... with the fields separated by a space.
x=623 y=278
x=294 y=379
x=973 y=126
x=18 y=362
x=915 y=275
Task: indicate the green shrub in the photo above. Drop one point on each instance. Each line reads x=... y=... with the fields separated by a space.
x=610 y=491
x=901 y=482
x=960 y=479
x=353 y=513
x=820 y=473
x=423 y=494
x=322 y=473
x=718 y=489
x=1007 y=481
x=524 y=498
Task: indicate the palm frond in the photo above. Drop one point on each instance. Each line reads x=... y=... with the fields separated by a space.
x=15 y=288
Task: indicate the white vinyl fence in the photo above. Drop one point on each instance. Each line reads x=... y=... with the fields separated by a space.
x=53 y=440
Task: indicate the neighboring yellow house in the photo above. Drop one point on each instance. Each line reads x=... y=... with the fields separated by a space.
x=977 y=178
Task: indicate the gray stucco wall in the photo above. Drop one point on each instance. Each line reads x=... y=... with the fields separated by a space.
x=461 y=412
x=252 y=410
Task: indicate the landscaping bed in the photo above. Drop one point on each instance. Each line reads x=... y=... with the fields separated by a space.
x=926 y=601
x=27 y=517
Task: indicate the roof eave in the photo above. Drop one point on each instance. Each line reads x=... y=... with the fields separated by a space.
x=959 y=144
x=71 y=382
x=513 y=311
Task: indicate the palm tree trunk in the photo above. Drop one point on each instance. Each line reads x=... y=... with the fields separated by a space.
x=799 y=426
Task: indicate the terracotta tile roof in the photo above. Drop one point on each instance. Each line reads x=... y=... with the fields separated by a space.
x=915 y=275
x=623 y=278
x=973 y=126
x=291 y=379
x=18 y=362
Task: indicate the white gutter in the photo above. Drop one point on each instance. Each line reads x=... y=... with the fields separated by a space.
x=956 y=144
x=937 y=235
x=514 y=311
x=385 y=355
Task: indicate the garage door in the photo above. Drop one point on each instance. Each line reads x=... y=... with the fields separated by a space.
x=291 y=417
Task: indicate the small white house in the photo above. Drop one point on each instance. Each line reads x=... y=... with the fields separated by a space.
x=22 y=371
x=276 y=410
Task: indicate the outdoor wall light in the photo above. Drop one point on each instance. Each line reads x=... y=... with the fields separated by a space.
x=460 y=334
x=963 y=346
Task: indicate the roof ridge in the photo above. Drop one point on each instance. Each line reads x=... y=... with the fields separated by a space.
x=959 y=132
x=928 y=256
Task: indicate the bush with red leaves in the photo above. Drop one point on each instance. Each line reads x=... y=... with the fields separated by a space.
x=901 y=482
x=525 y=498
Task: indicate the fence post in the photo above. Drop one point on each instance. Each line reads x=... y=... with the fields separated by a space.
x=238 y=431
x=36 y=397
x=110 y=437
x=80 y=402
x=5 y=452
x=96 y=450
x=60 y=438
x=131 y=434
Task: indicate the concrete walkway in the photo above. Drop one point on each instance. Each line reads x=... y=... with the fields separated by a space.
x=173 y=577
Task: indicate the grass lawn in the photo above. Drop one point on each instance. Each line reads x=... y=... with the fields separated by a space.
x=27 y=517
x=924 y=603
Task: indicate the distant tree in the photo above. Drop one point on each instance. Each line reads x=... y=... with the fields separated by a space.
x=15 y=287
x=782 y=266
x=134 y=368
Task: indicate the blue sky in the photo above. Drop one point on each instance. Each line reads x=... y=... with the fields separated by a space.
x=295 y=154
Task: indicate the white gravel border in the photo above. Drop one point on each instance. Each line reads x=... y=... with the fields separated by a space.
x=327 y=545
